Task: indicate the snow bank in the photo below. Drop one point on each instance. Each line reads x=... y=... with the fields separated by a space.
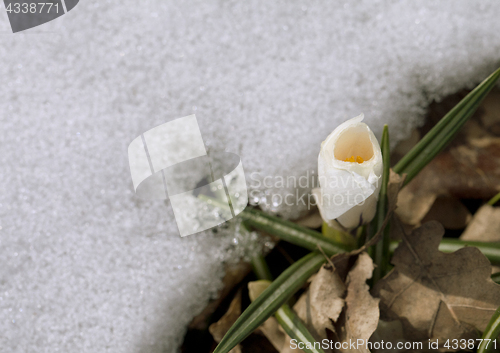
x=86 y=266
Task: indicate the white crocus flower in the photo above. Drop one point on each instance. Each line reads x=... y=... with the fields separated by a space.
x=349 y=168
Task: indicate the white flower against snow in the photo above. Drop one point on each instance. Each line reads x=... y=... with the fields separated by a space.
x=349 y=168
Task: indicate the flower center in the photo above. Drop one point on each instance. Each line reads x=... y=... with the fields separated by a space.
x=354 y=145
x=358 y=159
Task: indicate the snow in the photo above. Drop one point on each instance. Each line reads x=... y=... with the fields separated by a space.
x=85 y=265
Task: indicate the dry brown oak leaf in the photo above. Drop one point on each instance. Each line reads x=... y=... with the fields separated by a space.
x=346 y=309
x=467 y=169
x=437 y=295
x=219 y=329
x=361 y=315
x=485 y=225
x=322 y=303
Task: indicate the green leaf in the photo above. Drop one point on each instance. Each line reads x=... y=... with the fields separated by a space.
x=310 y=239
x=490 y=250
x=444 y=131
x=270 y=300
x=381 y=252
x=286 y=230
x=447 y=245
x=292 y=232
x=491 y=333
x=260 y=268
x=494 y=199
x=286 y=317
x=296 y=329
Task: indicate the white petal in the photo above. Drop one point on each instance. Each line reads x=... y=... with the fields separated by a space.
x=360 y=214
x=342 y=190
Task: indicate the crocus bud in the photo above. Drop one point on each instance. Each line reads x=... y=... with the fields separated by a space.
x=349 y=168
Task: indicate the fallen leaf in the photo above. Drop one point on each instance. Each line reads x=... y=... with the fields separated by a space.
x=448 y=211
x=270 y=328
x=467 y=169
x=219 y=328
x=437 y=295
x=338 y=302
x=361 y=315
x=273 y=332
x=388 y=331
x=322 y=302
x=255 y=288
x=485 y=225
x=414 y=202
x=351 y=325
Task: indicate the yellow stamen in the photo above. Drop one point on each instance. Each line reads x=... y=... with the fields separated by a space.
x=358 y=159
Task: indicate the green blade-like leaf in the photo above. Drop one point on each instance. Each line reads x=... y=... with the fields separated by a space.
x=296 y=329
x=490 y=250
x=381 y=252
x=286 y=230
x=310 y=239
x=270 y=300
x=491 y=333
x=494 y=199
x=260 y=268
x=286 y=317
x=444 y=131
x=292 y=232
x=447 y=245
